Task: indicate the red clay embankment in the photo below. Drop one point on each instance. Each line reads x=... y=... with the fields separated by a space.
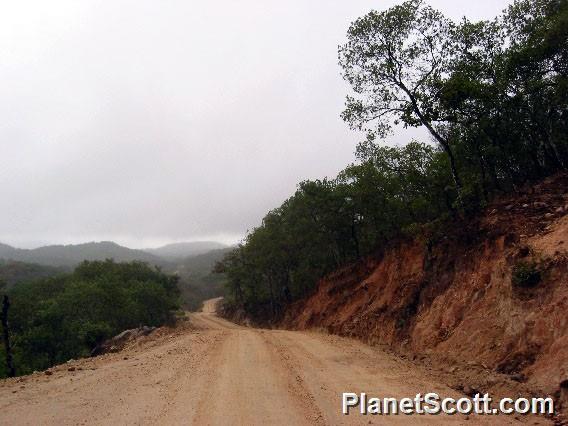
x=453 y=300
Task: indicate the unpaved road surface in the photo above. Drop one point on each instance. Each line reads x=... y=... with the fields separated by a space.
x=214 y=372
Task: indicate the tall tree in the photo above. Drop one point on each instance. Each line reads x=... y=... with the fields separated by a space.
x=394 y=61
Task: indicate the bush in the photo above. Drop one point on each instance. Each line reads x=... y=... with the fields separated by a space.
x=526 y=274
x=56 y=319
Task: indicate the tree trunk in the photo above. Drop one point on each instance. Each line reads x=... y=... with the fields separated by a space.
x=238 y=291
x=483 y=173
x=6 y=337
x=441 y=140
x=272 y=305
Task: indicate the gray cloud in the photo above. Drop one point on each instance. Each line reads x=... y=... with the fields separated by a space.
x=147 y=122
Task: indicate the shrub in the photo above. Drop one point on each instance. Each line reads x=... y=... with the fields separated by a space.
x=526 y=274
x=64 y=317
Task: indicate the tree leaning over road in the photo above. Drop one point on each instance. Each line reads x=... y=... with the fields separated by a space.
x=394 y=61
x=491 y=93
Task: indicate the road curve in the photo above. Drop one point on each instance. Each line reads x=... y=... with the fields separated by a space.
x=217 y=373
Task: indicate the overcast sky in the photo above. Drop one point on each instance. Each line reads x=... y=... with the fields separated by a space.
x=147 y=122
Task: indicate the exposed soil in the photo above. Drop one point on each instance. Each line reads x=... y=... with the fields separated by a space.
x=213 y=372
x=441 y=316
x=451 y=304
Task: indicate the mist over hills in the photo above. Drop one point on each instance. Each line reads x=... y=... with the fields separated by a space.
x=192 y=262
x=6 y=250
x=73 y=254
x=183 y=250
x=13 y=272
x=201 y=263
x=197 y=282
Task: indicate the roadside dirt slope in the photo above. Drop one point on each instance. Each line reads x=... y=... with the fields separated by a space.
x=217 y=373
x=452 y=302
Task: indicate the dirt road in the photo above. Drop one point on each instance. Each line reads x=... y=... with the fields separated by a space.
x=217 y=373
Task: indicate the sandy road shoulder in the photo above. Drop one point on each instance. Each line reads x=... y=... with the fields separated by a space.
x=326 y=366
x=137 y=386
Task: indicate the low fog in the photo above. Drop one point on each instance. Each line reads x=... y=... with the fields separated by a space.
x=149 y=122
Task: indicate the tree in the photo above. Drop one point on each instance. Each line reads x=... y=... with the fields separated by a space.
x=492 y=93
x=6 y=336
x=394 y=61
x=538 y=70
x=67 y=316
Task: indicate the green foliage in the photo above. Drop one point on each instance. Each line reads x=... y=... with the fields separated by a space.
x=393 y=60
x=526 y=274
x=328 y=223
x=197 y=283
x=492 y=94
x=13 y=272
x=64 y=317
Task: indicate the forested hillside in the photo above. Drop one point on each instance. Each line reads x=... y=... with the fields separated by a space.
x=12 y=272
x=493 y=96
x=72 y=254
x=59 y=318
x=177 y=251
x=192 y=262
x=197 y=282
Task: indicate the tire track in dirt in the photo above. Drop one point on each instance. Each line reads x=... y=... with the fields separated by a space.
x=296 y=381
x=248 y=387
x=183 y=391
x=214 y=373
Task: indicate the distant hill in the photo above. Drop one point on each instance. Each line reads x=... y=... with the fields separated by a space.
x=6 y=251
x=192 y=262
x=197 y=283
x=200 y=264
x=13 y=272
x=72 y=254
x=179 y=251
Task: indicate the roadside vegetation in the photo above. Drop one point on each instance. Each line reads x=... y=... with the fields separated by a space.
x=63 y=317
x=493 y=96
x=197 y=283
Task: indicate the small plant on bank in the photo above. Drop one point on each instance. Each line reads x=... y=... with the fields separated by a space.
x=526 y=274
